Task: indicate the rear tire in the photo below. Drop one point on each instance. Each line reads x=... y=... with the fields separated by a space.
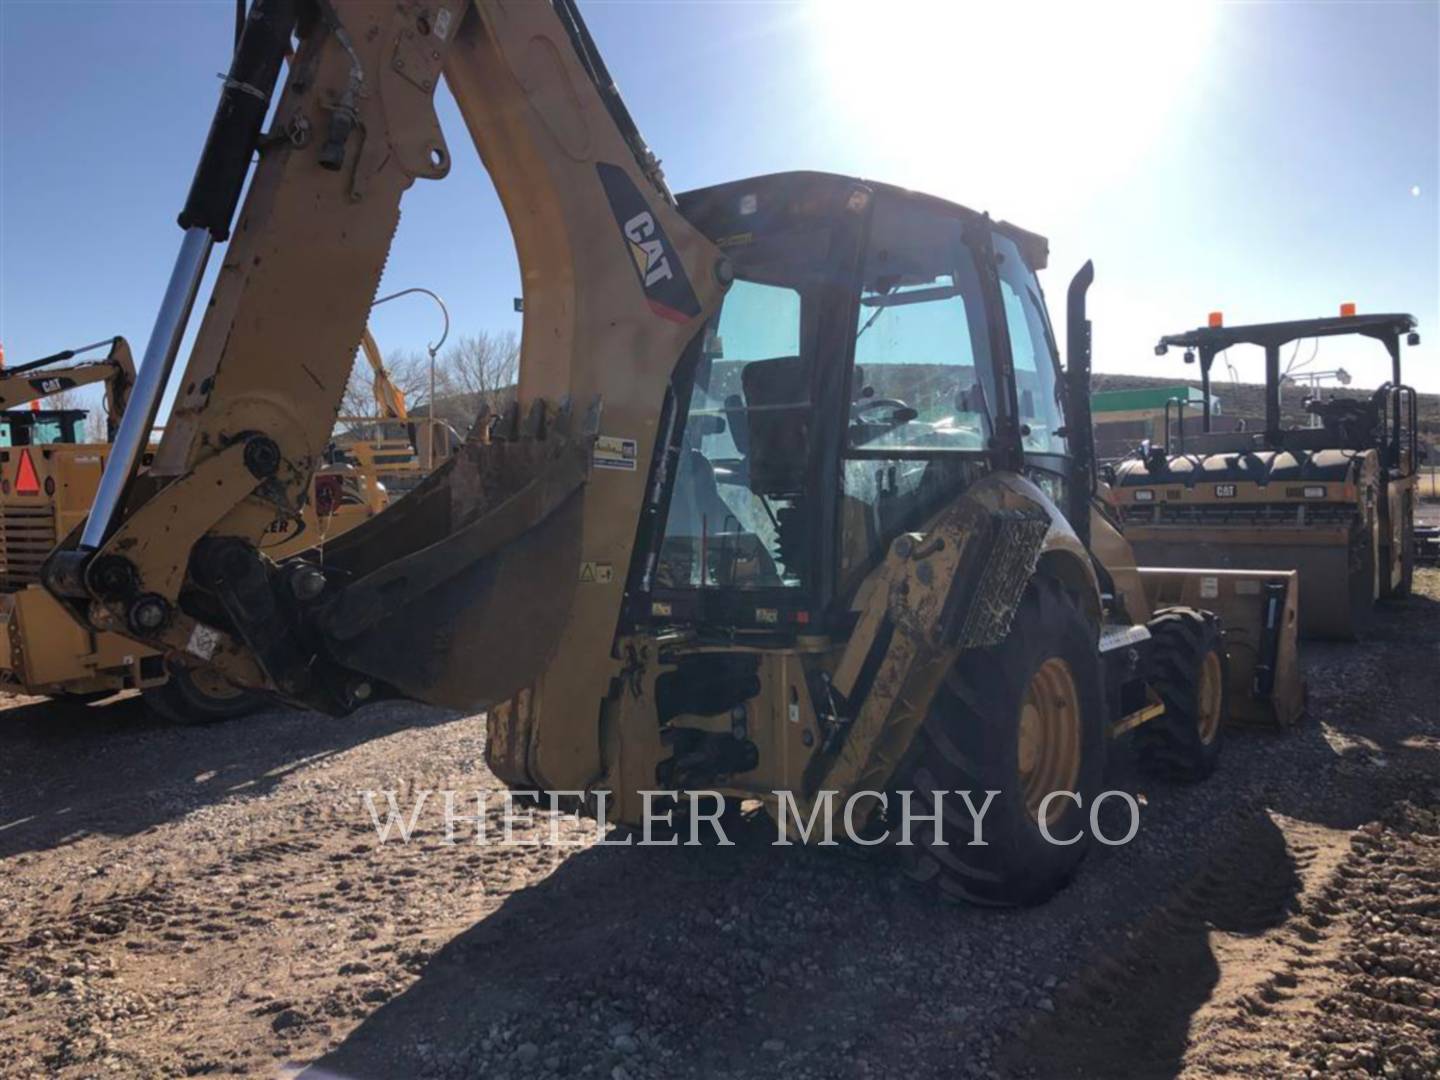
x=184 y=699
x=1041 y=687
x=1188 y=669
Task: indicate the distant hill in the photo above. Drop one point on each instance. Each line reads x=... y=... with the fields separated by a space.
x=1246 y=401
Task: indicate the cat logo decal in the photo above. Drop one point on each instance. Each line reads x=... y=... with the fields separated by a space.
x=657 y=266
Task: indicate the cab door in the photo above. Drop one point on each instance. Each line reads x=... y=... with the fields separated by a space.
x=924 y=402
x=1034 y=359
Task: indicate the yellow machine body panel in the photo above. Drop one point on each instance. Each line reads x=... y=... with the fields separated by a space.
x=45 y=491
x=47 y=651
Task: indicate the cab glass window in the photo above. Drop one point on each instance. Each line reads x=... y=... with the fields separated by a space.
x=742 y=463
x=923 y=395
x=1037 y=372
x=921 y=379
x=30 y=428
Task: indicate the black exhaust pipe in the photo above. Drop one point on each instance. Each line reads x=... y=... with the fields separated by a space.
x=1078 y=422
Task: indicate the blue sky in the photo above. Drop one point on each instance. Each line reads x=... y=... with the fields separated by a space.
x=1269 y=160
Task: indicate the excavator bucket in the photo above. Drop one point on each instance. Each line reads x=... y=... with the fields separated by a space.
x=458 y=593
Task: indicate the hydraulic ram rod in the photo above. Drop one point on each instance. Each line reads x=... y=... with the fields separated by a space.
x=209 y=208
x=149 y=385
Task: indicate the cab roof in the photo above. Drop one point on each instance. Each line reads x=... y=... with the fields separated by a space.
x=1035 y=247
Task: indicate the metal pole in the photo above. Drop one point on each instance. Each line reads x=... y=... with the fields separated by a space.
x=1272 y=396
x=432 y=349
x=150 y=383
x=1207 y=358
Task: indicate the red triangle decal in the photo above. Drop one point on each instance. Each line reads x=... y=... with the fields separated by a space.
x=27 y=480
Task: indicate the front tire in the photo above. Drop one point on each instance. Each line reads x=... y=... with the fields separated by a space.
x=1022 y=718
x=188 y=698
x=1189 y=670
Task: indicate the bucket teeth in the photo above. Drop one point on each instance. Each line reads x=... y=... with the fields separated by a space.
x=480 y=429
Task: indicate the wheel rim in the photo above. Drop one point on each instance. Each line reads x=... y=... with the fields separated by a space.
x=1049 y=737
x=212 y=687
x=1211 y=697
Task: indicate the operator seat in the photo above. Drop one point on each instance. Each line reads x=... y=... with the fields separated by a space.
x=1355 y=423
x=777 y=417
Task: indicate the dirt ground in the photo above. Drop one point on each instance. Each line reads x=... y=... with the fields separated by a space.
x=216 y=902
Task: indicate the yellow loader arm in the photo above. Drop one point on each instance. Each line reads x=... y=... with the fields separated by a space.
x=38 y=379
x=463 y=592
x=389 y=399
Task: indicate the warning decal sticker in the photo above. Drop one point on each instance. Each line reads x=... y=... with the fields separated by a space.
x=612 y=452
x=597 y=573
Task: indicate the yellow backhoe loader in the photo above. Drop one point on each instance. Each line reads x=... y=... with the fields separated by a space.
x=1334 y=501
x=49 y=473
x=30 y=382
x=789 y=507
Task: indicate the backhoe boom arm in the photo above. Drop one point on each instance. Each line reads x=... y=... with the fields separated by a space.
x=466 y=590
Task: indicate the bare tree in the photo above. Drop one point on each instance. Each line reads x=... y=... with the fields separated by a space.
x=70 y=398
x=478 y=369
x=96 y=430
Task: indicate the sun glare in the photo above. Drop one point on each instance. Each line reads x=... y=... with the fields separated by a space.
x=1031 y=105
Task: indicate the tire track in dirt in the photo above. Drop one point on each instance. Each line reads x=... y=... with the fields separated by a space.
x=1303 y=950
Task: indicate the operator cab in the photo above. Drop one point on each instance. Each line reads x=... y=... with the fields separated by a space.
x=877 y=352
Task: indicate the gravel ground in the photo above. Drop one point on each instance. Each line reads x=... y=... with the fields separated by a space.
x=216 y=902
